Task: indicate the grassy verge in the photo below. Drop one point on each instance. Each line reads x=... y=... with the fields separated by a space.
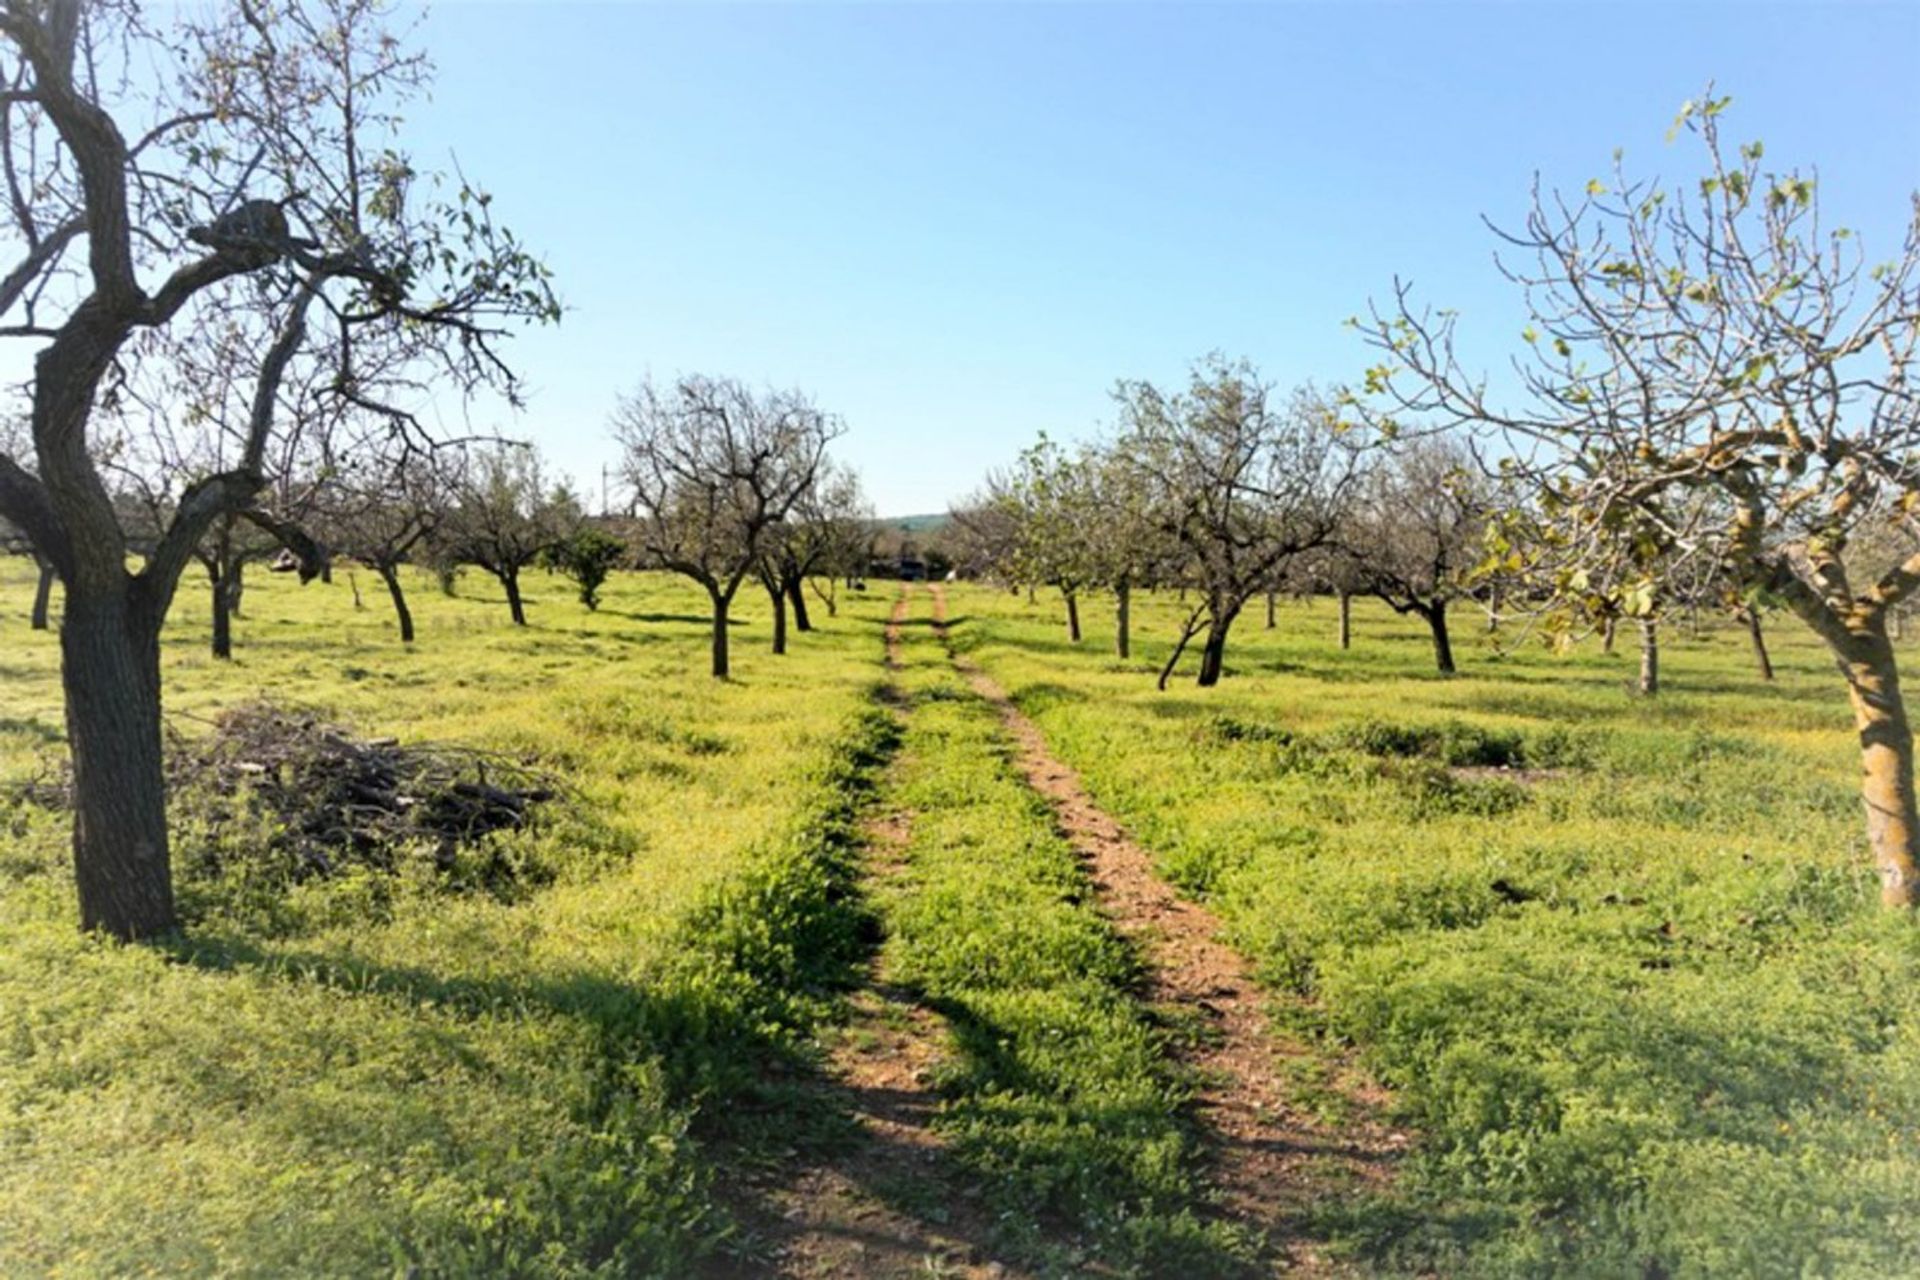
x=1059 y=1097
x=1618 y=958
x=366 y=1074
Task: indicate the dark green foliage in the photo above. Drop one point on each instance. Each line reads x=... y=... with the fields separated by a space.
x=588 y=556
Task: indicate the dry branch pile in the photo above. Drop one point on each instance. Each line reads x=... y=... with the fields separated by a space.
x=325 y=800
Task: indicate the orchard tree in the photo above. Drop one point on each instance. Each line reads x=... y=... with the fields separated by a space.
x=824 y=534
x=504 y=516
x=588 y=556
x=715 y=467
x=1243 y=485
x=1417 y=527
x=1717 y=339
x=1050 y=493
x=237 y=161
x=384 y=514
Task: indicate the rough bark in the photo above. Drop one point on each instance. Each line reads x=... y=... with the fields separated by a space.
x=1073 y=617
x=1760 y=656
x=1123 y=621
x=1886 y=756
x=42 y=596
x=222 y=613
x=1213 y=654
x=720 y=603
x=797 y=598
x=1346 y=620
x=110 y=652
x=510 y=579
x=1649 y=682
x=778 y=597
x=390 y=574
x=1436 y=615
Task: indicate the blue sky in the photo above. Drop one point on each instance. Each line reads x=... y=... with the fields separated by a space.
x=957 y=224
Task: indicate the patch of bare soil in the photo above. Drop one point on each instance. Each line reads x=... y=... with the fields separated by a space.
x=1270 y=1159
x=884 y=1204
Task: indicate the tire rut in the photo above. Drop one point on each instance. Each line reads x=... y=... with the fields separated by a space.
x=1269 y=1162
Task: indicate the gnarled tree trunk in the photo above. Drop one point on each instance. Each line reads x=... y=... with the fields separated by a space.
x=390 y=574
x=1436 y=615
x=510 y=579
x=42 y=596
x=1760 y=656
x=110 y=654
x=797 y=597
x=778 y=597
x=720 y=603
x=1886 y=755
x=1213 y=654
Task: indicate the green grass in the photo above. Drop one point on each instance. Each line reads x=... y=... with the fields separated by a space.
x=1060 y=1100
x=1634 y=990
x=375 y=1073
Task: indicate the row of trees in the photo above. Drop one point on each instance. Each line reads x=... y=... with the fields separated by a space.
x=1712 y=404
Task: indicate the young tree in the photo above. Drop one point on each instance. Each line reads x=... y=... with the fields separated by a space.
x=588 y=556
x=504 y=516
x=1050 y=494
x=1417 y=527
x=1242 y=486
x=135 y=203
x=714 y=467
x=1717 y=340
x=825 y=532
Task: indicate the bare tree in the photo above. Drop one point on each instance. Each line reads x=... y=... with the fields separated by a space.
x=503 y=517
x=1417 y=527
x=714 y=467
x=113 y=177
x=1242 y=485
x=383 y=515
x=1716 y=339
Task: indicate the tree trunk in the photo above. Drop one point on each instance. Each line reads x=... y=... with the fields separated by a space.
x=1886 y=757
x=1346 y=620
x=1073 y=617
x=236 y=576
x=797 y=597
x=42 y=596
x=390 y=574
x=222 y=613
x=1649 y=658
x=110 y=666
x=1760 y=657
x=1123 y=621
x=778 y=597
x=720 y=604
x=511 y=581
x=1442 y=643
x=1606 y=634
x=1213 y=655
x=1899 y=623
x=1273 y=617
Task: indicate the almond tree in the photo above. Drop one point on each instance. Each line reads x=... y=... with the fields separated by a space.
x=1242 y=485
x=503 y=517
x=237 y=162
x=1417 y=527
x=715 y=467
x=384 y=515
x=1716 y=340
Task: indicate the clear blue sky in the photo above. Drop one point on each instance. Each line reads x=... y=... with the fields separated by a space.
x=958 y=224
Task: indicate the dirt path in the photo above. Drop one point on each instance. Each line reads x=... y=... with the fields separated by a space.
x=883 y=1204
x=1269 y=1161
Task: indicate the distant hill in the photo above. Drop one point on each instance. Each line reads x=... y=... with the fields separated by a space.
x=916 y=524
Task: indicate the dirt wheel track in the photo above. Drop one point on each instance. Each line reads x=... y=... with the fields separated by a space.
x=1269 y=1161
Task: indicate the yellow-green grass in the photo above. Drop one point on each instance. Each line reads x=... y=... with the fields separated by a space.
x=1060 y=1099
x=366 y=1074
x=1635 y=992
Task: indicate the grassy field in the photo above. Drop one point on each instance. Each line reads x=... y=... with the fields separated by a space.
x=1619 y=958
x=375 y=1072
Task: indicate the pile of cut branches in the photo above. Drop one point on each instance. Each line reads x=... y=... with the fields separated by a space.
x=333 y=798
